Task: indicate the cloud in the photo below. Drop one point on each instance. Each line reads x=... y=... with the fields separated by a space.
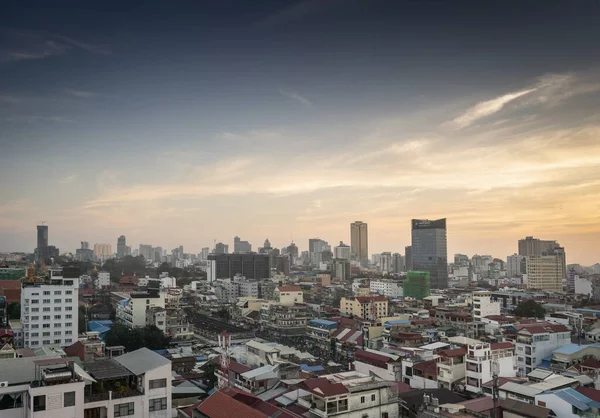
x=68 y=179
x=38 y=119
x=487 y=108
x=82 y=94
x=296 y=96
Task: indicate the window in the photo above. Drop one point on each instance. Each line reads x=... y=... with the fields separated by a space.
x=45 y=301
x=57 y=316
x=34 y=318
x=69 y=308
x=124 y=409
x=35 y=309
x=33 y=301
x=35 y=326
x=46 y=293
x=57 y=293
x=68 y=340
x=158 y=383
x=57 y=325
x=68 y=332
x=33 y=343
x=68 y=324
x=57 y=341
x=46 y=334
x=362 y=399
x=35 y=334
x=56 y=333
x=46 y=309
x=39 y=403
x=158 y=404
x=57 y=309
x=46 y=342
x=68 y=316
x=373 y=398
x=45 y=325
x=57 y=300
x=68 y=300
x=46 y=317
x=69 y=292
x=69 y=399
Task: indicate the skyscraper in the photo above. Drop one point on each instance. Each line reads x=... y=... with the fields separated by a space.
x=102 y=251
x=408 y=258
x=240 y=246
x=42 y=242
x=342 y=251
x=121 y=247
x=359 y=241
x=429 y=250
x=530 y=246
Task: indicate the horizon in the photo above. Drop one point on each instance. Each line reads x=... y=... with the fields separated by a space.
x=288 y=120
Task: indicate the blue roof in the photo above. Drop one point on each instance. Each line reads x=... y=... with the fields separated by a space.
x=324 y=323
x=397 y=322
x=123 y=302
x=573 y=348
x=575 y=398
x=307 y=368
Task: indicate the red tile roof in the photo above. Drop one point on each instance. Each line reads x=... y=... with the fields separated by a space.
x=500 y=318
x=368 y=299
x=501 y=346
x=221 y=405
x=593 y=394
x=590 y=363
x=372 y=358
x=457 y=352
x=403 y=387
x=234 y=366
x=323 y=387
x=478 y=404
x=289 y=288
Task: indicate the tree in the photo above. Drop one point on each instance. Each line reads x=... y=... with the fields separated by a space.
x=530 y=309
x=153 y=338
x=13 y=310
x=209 y=373
x=132 y=339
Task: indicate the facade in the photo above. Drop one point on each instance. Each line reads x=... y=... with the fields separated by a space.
x=516 y=265
x=103 y=280
x=284 y=320
x=288 y=295
x=483 y=305
x=389 y=288
x=102 y=251
x=366 y=307
x=408 y=258
x=49 y=313
x=341 y=269
x=545 y=272
x=537 y=341
x=483 y=358
x=121 y=247
x=225 y=266
x=398 y=263
x=531 y=246
x=49 y=387
x=342 y=252
x=451 y=367
x=429 y=250
x=385 y=263
x=359 y=241
x=131 y=311
x=417 y=285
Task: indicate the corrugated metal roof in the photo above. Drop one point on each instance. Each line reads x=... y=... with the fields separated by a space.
x=142 y=361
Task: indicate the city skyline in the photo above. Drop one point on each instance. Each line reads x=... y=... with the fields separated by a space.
x=294 y=119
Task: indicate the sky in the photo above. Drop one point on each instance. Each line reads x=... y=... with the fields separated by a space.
x=184 y=122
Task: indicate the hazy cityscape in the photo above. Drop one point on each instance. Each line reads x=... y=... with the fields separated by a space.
x=300 y=209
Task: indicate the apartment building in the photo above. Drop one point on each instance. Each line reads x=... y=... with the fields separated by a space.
x=288 y=320
x=103 y=280
x=366 y=307
x=389 y=288
x=537 y=341
x=483 y=305
x=49 y=313
x=545 y=272
x=288 y=295
x=134 y=384
x=349 y=395
x=451 y=367
x=319 y=332
x=131 y=311
x=484 y=359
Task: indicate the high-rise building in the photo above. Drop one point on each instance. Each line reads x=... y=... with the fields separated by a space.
x=121 y=247
x=408 y=258
x=516 y=265
x=316 y=248
x=84 y=253
x=340 y=269
x=221 y=248
x=535 y=246
x=240 y=246
x=146 y=251
x=292 y=250
x=398 y=263
x=102 y=251
x=85 y=245
x=545 y=272
x=429 y=250
x=342 y=251
x=226 y=266
x=205 y=253
x=417 y=285
x=461 y=260
x=359 y=241
x=385 y=262
x=42 y=242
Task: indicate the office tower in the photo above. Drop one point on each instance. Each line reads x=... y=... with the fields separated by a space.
x=205 y=253
x=316 y=249
x=535 y=246
x=42 y=242
x=240 y=246
x=85 y=245
x=102 y=251
x=342 y=251
x=359 y=242
x=59 y=293
x=221 y=248
x=429 y=250
x=385 y=263
x=146 y=251
x=340 y=269
x=84 y=253
x=292 y=250
x=417 y=285
x=226 y=266
x=121 y=247
x=266 y=248
x=545 y=272
x=408 y=258
x=158 y=254
x=398 y=263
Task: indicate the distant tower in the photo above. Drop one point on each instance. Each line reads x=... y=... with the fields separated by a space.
x=224 y=342
x=359 y=242
x=121 y=247
x=42 y=242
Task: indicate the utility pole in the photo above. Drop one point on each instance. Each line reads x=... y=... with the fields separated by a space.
x=495 y=367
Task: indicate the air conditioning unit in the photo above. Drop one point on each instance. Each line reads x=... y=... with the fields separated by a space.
x=3 y=384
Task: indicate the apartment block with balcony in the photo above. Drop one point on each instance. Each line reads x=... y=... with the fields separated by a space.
x=49 y=310
x=483 y=359
x=366 y=307
x=535 y=342
x=319 y=331
x=135 y=384
x=132 y=310
x=451 y=367
x=483 y=305
x=349 y=395
x=285 y=320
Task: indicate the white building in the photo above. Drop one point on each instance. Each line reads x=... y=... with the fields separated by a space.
x=389 y=288
x=483 y=358
x=515 y=265
x=50 y=387
x=132 y=311
x=211 y=270
x=49 y=313
x=483 y=305
x=289 y=295
x=342 y=251
x=583 y=286
x=537 y=341
x=385 y=263
x=103 y=280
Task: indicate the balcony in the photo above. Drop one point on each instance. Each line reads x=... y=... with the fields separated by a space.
x=113 y=381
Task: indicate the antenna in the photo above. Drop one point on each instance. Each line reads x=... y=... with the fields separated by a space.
x=224 y=342
x=42 y=222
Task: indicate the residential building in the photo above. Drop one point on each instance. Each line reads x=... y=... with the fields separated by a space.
x=385 y=263
x=366 y=307
x=416 y=285
x=131 y=309
x=320 y=332
x=349 y=395
x=537 y=341
x=58 y=387
x=341 y=269
x=231 y=402
x=386 y=287
x=103 y=280
x=429 y=250
x=531 y=246
x=359 y=241
x=121 y=247
x=398 y=263
x=516 y=265
x=284 y=320
x=451 y=367
x=583 y=286
x=483 y=358
x=544 y=272
x=289 y=295
x=342 y=251
x=483 y=305
x=49 y=310
x=221 y=248
x=225 y=266
x=570 y=402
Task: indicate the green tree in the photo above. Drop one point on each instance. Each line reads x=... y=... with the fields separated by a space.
x=13 y=310
x=132 y=339
x=530 y=309
x=153 y=338
x=209 y=373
